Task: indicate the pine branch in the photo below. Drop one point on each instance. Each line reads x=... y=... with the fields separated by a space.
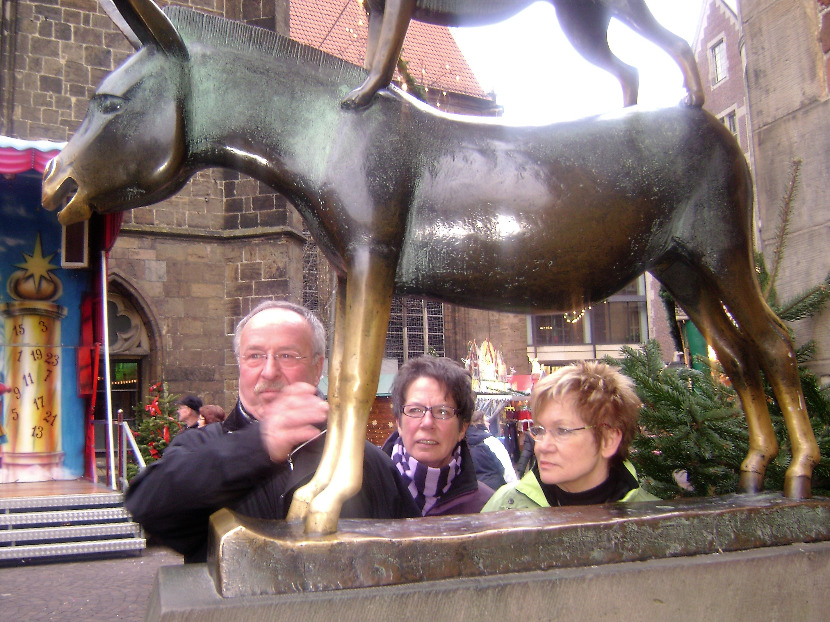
x=807 y=303
x=784 y=223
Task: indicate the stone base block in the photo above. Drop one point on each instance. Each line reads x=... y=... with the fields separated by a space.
x=772 y=583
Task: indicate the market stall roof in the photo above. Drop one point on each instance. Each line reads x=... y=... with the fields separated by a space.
x=19 y=156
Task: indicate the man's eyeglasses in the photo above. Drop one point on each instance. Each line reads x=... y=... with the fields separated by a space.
x=558 y=433
x=416 y=411
x=286 y=360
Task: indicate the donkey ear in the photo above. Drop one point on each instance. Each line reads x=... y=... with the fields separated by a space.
x=144 y=23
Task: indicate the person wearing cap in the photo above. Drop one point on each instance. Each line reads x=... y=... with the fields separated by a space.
x=267 y=447
x=188 y=408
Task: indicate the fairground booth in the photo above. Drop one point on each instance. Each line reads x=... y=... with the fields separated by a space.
x=53 y=326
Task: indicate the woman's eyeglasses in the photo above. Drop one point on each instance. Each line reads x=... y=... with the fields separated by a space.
x=558 y=433
x=417 y=411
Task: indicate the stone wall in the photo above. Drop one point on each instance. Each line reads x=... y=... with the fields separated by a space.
x=195 y=263
x=787 y=85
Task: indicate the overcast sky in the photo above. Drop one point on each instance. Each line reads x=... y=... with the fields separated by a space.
x=538 y=77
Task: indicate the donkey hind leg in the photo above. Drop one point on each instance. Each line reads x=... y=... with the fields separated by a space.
x=367 y=307
x=585 y=24
x=640 y=19
x=776 y=354
x=734 y=353
x=304 y=495
x=697 y=296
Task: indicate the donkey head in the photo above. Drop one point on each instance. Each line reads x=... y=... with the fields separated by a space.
x=130 y=149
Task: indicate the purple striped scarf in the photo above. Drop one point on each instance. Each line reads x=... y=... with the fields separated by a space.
x=425 y=484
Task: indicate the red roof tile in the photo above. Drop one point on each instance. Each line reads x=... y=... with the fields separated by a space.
x=340 y=27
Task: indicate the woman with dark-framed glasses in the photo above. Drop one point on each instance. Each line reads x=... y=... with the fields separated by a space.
x=584 y=419
x=433 y=402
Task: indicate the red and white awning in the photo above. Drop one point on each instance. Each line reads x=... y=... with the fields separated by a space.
x=19 y=156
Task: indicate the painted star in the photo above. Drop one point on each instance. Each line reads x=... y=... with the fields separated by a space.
x=36 y=265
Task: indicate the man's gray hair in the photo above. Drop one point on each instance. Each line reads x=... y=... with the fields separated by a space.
x=318 y=338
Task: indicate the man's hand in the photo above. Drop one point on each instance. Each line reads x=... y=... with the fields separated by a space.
x=291 y=419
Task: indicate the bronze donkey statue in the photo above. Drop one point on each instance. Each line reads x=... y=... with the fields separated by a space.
x=584 y=23
x=404 y=198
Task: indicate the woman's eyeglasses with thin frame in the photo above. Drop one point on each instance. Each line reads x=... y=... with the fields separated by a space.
x=557 y=433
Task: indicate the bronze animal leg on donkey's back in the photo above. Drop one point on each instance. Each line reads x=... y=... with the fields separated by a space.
x=640 y=19
x=368 y=300
x=385 y=48
x=585 y=24
x=304 y=495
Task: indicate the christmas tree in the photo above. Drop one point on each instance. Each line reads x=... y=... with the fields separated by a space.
x=158 y=424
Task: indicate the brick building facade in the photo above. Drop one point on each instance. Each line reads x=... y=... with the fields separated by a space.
x=719 y=59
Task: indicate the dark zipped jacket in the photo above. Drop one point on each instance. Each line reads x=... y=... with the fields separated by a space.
x=466 y=495
x=226 y=465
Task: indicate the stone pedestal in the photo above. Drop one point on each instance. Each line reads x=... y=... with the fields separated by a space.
x=742 y=557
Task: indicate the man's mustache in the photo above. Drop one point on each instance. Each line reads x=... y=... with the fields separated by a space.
x=267 y=385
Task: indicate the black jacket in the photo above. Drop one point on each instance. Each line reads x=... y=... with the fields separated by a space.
x=489 y=468
x=226 y=465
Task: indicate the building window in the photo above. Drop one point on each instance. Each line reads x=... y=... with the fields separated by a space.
x=730 y=120
x=556 y=330
x=617 y=320
x=718 y=59
x=416 y=327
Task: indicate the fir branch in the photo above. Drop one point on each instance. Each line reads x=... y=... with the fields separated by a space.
x=806 y=304
x=784 y=223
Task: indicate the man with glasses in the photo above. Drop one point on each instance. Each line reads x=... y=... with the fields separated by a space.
x=268 y=446
x=585 y=417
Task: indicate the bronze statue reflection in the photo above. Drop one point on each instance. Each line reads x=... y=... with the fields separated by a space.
x=584 y=23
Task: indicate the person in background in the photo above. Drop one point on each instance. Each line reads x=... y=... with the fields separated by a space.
x=492 y=462
x=188 y=409
x=211 y=413
x=432 y=399
x=585 y=417
x=526 y=458
x=269 y=445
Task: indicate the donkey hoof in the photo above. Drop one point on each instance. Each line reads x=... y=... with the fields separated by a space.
x=321 y=523
x=298 y=510
x=751 y=482
x=798 y=487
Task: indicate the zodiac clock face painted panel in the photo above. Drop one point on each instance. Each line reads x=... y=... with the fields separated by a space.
x=32 y=329
x=43 y=416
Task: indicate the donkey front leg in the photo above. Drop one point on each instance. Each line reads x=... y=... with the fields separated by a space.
x=369 y=287
x=304 y=495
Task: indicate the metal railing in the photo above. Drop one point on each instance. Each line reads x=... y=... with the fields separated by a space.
x=126 y=446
